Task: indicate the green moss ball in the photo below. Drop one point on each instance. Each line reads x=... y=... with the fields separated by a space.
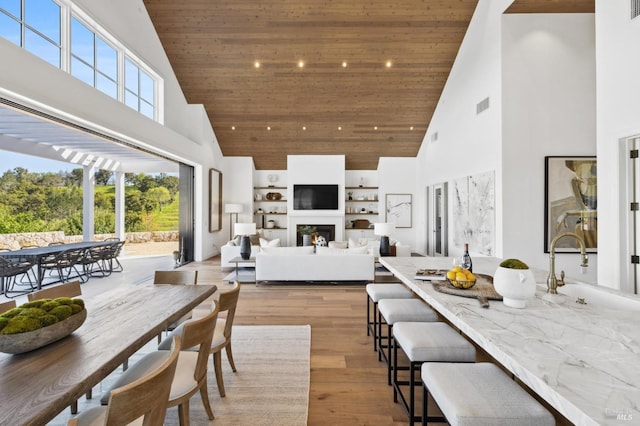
x=32 y=312
x=62 y=312
x=514 y=264
x=47 y=320
x=49 y=305
x=3 y=322
x=12 y=312
x=21 y=324
x=64 y=300
x=75 y=308
x=35 y=304
x=79 y=302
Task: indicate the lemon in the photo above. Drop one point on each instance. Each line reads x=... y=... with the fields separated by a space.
x=451 y=275
x=460 y=276
x=471 y=277
x=457 y=269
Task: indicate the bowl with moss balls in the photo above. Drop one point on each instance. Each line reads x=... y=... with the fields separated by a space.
x=514 y=281
x=38 y=323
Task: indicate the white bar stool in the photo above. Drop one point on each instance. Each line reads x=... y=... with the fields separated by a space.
x=393 y=311
x=425 y=342
x=377 y=292
x=479 y=394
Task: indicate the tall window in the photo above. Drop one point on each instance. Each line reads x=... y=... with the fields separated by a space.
x=33 y=25
x=92 y=54
x=93 y=60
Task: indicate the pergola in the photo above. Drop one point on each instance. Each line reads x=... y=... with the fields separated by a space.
x=27 y=131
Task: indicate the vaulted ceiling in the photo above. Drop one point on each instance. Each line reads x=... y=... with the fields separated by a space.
x=355 y=77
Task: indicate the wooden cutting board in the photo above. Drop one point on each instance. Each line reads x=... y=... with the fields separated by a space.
x=483 y=288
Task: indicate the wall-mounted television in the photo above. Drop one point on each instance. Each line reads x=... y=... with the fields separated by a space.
x=315 y=197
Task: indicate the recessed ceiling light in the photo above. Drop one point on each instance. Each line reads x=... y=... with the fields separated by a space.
x=388 y=64
x=375 y=127
x=256 y=64
x=300 y=64
x=304 y=127
x=411 y=128
x=344 y=64
x=339 y=127
x=233 y=127
x=268 y=127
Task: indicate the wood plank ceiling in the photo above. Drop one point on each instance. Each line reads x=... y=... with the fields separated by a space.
x=277 y=77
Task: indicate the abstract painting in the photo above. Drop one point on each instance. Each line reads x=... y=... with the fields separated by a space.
x=474 y=212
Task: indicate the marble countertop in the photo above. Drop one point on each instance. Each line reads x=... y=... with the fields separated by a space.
x=584 y=360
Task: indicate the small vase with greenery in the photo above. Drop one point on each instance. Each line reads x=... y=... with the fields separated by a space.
x=306 y=231
x=514 y=281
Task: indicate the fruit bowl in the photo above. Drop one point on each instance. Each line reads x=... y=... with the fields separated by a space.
x=462 y=284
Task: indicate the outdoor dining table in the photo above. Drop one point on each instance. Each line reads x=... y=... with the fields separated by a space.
x=37 y=254
x=38 y=385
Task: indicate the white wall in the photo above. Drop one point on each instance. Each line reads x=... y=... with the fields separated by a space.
x=467 y=143
x=397 y=175
x=618 y=116
x=548 y=108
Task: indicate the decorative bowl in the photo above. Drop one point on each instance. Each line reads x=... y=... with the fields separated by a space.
x=515 y=286
x=273 y=196
x=462 y=284
x=30 y=340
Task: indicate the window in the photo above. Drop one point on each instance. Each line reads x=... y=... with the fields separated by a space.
x=33 y=25
x=93 y=60
x=92 y=55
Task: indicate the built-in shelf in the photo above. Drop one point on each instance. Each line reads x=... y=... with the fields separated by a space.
x=270 y=187
x=271 y=201
x=269 y=214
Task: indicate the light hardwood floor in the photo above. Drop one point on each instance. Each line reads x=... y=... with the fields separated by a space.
x=348 y=384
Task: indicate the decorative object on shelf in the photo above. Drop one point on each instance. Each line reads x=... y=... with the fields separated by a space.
x=245 y=229
x=361 y=184
x=258 y=196
x=232 y=209
x=571 y=202
x=514 y=281
x=398 y=210
x=321 y=241
x=215 y=200
x=384 y=229
x=361 y=223
x=350 y=194
x=22 y=331
x=273 y=196
x=272 y=179
x=271 y=224
x=306 y=231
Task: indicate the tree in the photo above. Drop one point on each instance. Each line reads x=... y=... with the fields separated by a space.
x=160 y=194
x=75 y=177
x=102 y=177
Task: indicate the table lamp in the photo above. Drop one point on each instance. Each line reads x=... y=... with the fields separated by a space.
x=245 y=229
x=384 y=230
x=232 y=208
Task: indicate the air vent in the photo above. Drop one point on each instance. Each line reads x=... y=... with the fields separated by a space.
x=635 y=8
x=434 y=137
x=482 y=105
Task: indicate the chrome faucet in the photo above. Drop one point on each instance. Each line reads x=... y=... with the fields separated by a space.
x=552 y=281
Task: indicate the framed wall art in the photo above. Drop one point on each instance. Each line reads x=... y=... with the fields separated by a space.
x=570 y=202
x=215 y=200
x=398 y=210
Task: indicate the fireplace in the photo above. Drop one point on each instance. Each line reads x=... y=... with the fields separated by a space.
x=326 y=231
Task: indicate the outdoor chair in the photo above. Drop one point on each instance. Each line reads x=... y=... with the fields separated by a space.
x=111 y=255
x=95 y=261
x=146 y=397
x=10 y=269
x=64 y=264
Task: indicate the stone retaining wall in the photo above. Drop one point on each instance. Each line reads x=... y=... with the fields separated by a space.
x=41 y=239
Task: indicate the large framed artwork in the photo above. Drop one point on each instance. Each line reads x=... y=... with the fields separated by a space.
x=570 y=201
x=473 y=216
x=398 y=210
x=215 y=200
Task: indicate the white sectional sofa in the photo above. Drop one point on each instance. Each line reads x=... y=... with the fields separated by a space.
x=302 y=264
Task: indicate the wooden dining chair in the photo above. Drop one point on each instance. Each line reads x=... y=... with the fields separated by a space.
x=6 y=306
x=146 y=398
x=222 y=334
x=70 y=289
x=191 y=373
x=178 y=278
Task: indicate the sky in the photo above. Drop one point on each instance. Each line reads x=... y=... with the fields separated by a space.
x=10 y=160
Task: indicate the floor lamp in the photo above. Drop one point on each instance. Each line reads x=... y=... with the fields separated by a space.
x=384 y=230
x=231 y=209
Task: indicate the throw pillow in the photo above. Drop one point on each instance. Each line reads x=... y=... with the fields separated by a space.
x=339 y=244
x=269 y=243
x=353 y=243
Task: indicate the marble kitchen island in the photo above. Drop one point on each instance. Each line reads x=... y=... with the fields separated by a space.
x=583 y=359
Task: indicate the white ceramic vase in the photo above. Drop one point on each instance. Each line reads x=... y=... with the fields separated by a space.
x=515 y=286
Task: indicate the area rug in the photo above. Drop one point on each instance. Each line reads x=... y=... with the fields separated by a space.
x=271 y=386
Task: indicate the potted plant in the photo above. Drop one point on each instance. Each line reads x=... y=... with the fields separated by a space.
x=306 y=231
x=514 y=281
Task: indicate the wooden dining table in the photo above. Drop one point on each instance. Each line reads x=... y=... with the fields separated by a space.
x=38 y=385
x=37 y=254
